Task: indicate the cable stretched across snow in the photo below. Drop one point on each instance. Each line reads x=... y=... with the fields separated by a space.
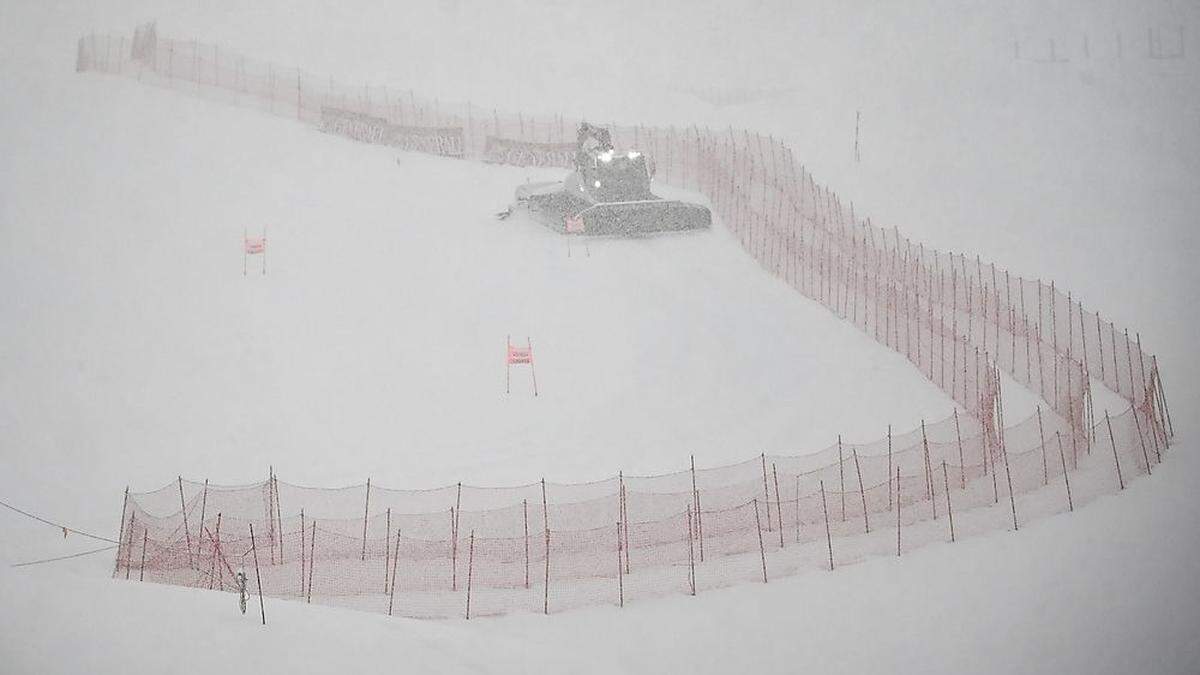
x=66 y=557
x=62 y=527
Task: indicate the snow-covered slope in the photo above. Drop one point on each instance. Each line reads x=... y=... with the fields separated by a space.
x=373 y=345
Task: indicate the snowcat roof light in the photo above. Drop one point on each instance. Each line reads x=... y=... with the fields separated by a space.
x=606 y=156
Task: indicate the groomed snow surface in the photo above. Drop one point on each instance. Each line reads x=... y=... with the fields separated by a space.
x=133 y=348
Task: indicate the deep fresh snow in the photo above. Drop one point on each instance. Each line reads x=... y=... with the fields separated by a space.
x=134 y=350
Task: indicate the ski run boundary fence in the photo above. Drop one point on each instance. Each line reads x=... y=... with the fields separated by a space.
x=464 y=550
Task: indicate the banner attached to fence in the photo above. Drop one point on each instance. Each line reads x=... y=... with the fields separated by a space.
x=527 y=153
x=445 y=141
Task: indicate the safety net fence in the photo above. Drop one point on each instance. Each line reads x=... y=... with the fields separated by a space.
x=466 y=550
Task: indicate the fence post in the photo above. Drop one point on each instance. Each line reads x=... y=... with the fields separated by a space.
x=928 y=471
x=470 y=571
x=278 y=514
x=525 y=515
x=454 y=518
x=121 y=530
x=797 y=508
x=1162 y=394
x=312 y=559
x=949 y=508
x=762 y=554
x=1141 y=439
x=766 y=493
x=862 y=491
x=691 y=551
x=1012 y=499
x=962 y=462
x=215 y=569
x=1042 y=437
x=302 y=559
x=186 y=529
x=778 y=503
x=387 y=551
x=624 y=513
x=696 y=502
x=889 y=440
x=142 y=568
x=1113 y=443
x=366 y=510
x=620 y=570
x=395 y=560
x=200 y=530
x=897 y=511
x=258 y=576
x=1129 y=361
x=546 y=532
x=842 y=476
x=828 y=536
x=1066 y=478
x=453 y=552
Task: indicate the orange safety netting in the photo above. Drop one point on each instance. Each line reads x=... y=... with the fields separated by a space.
x=466 y=550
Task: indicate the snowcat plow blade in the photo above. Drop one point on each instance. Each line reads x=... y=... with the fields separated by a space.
x=637 y=218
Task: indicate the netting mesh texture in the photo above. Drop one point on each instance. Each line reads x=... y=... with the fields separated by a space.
x=473 y=551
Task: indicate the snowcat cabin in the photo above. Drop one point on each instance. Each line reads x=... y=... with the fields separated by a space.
x=617 y=177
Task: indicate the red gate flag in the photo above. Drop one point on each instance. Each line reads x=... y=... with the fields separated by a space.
x=575 y=225
x=254 y=246
x=518 y=356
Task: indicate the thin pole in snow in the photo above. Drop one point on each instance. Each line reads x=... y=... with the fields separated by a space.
x=546 y=532
x=525 y=515
x=828 y=536
x=532 y=372
x=620 y=570
x=1066 y=478
x=200 y=529
x=1113 y=443
x=142 y=567
x=762 y=554
x=186 y=530
x=395 y=560
x=696 y=505
x=862 y=491
x=949 y=508
x=366 y=510
x=312 y=559
x=842 y=477
x=778 y=503
x=889 y=440
x=121 y=528
x=897 y=510
x=470 y=571
x=692 y=551
x=257 y=576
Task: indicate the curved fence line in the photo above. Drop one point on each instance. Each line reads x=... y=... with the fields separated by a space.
x=471 y=550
